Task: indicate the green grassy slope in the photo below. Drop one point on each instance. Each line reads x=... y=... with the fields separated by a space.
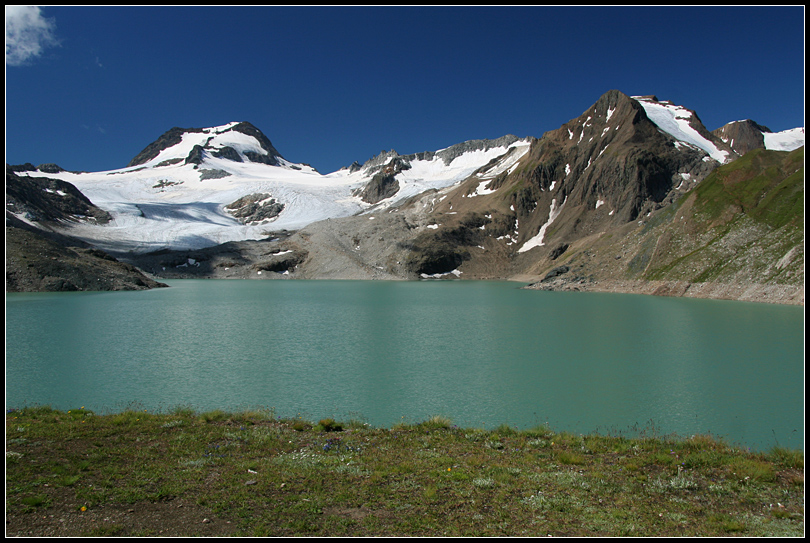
x=743 y=223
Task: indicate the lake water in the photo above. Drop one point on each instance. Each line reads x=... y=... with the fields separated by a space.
x=481 y=353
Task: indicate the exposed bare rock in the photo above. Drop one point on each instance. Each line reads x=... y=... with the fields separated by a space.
x=255 y=208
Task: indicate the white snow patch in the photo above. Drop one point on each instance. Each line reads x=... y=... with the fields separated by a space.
x=684 y=178
x=537 y=240
x=440 y=275
x=674 y=120
x=787 y=140
x=599 y=203
x=508 y=163
x=609 y=114
x=481 y=189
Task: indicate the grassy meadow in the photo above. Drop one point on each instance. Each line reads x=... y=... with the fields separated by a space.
x=184 y=473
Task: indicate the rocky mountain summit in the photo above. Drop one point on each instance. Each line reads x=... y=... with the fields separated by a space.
x=743 y=136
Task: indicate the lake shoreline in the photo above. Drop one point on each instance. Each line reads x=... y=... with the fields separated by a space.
x=751 y=292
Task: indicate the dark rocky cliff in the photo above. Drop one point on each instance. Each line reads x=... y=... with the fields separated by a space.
x=46 y=199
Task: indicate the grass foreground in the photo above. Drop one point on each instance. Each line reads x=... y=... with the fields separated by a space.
x=183 y=473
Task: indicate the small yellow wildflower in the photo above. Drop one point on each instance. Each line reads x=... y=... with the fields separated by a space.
x=84 y=508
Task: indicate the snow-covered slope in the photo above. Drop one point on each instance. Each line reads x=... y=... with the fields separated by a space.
x=443 y=168
x=681 y=123
x=787 y=140
x=177 y=197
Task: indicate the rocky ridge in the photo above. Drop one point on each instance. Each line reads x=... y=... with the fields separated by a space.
x=44 y=199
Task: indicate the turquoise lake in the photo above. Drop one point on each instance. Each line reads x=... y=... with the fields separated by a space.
x=481 y=353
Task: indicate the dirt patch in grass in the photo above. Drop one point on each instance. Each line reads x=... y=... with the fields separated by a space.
x=169 y=518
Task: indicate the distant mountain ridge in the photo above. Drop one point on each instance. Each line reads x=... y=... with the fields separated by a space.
x=507 y=207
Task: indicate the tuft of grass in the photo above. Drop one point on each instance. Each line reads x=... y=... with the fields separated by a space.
x=436 y=422
x=570 y=458
x=216 y=415
x=787 y=457
x=68 y=480
x=504 y=430
x=328 y=425
x=301 y=425
x=483 y=482
x=745 y=469
x=34 y=501
x=538 y=432
x=183 y=411
x=726 y=523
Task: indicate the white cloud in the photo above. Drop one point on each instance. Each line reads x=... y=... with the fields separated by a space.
x=28 y=33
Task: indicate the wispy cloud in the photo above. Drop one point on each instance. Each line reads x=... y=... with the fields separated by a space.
x=28 y=33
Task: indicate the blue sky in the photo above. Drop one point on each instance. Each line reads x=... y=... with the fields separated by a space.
x=89 y=87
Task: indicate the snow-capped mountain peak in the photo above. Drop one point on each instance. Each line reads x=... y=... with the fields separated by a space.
x=235 y=141
x=193 y=188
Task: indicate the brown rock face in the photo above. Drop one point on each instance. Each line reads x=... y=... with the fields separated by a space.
x=742 y=136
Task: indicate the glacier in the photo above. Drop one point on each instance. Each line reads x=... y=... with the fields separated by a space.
x=165 y=203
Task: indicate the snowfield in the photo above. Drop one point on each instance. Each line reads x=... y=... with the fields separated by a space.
x=674 y=120
x=787 y=140
x=182 y=206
